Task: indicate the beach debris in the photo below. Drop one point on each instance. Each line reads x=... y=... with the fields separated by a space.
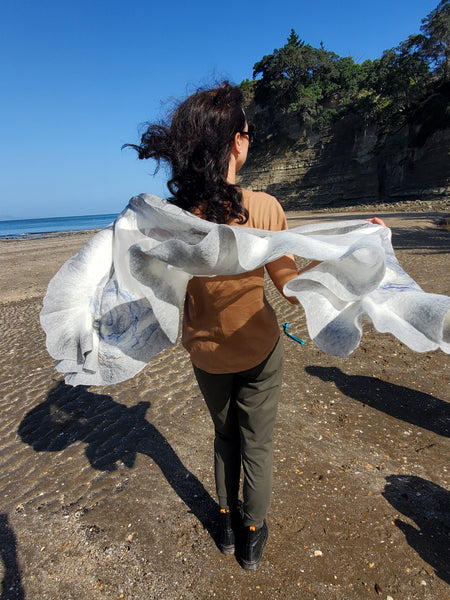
x=318 y=553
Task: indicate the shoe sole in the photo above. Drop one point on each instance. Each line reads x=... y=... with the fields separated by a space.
x=227 y=549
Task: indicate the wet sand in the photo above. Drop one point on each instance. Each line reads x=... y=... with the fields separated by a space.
x=109 y=492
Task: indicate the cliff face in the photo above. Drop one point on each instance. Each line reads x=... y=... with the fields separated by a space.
x=348 y=165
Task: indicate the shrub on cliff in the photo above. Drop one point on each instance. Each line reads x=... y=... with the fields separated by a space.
x=318 y=86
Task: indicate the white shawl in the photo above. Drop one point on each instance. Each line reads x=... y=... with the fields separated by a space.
x=116 y=304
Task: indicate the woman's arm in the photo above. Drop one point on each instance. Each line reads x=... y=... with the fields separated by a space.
x=283 y=270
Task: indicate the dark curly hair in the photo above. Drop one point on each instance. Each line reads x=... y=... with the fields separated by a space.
x=197 y=145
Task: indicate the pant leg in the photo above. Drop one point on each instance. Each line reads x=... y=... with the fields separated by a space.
x=218 y=392
x=257 y=399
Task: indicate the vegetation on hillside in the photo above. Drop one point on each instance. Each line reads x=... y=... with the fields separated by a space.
x=409 y=83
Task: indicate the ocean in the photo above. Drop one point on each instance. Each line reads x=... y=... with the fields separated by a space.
x=22 y=228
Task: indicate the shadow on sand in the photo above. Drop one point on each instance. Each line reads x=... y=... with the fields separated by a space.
x=11 y=587
x=428 y=505
x=112 y=432
x=403 y=403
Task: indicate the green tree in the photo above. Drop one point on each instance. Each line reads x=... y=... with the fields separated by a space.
x=320 y=86
x=400 y=75
x=284 y=73
x=433 y=44
x=298 y=77
x=248 y=90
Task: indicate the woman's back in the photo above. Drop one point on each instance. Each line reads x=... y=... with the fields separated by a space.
x=228 y=325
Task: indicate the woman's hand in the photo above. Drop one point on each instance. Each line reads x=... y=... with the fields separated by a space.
x=377 y=221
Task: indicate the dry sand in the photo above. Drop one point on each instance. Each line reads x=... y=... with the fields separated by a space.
x=109 y=492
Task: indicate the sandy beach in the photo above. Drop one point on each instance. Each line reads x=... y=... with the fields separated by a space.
x=109 y=492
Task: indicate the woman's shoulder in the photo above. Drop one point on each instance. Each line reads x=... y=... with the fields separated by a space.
x=264 y=210
x=251 y=197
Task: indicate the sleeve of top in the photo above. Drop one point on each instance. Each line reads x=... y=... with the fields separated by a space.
x=265 y=212
x=277 y=217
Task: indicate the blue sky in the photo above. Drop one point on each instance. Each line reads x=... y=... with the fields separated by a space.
x=79 y=76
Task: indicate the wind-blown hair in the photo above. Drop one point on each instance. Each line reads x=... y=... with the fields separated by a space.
x=197 y=145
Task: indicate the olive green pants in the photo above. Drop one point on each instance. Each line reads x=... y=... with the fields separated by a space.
x=243 y=407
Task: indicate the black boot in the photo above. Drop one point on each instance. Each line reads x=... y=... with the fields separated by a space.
x=230 y=525
x=226 y=533
x=253 y=546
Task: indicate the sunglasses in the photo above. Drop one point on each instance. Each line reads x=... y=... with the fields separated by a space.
x=251 y=132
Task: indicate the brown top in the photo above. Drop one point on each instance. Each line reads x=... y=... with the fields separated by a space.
x=228 y=325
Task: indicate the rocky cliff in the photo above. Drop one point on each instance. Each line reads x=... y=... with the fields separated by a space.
x=347 y=164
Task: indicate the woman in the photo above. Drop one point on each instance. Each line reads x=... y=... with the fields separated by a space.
x=229 y=328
